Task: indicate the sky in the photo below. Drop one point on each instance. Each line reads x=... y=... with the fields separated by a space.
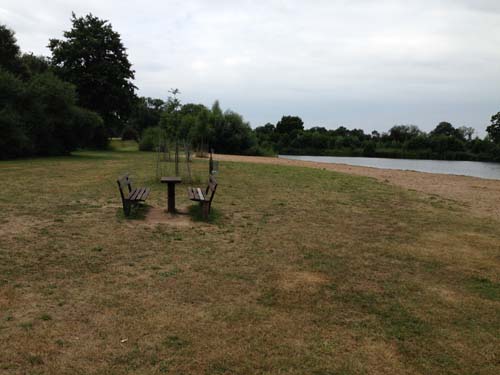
x=367 y=64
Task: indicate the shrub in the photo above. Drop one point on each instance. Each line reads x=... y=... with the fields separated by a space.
x=150 y=139
x=89 y=127
x=49 y=115
x=39 y=117
x=130 y=134
x=13 y=139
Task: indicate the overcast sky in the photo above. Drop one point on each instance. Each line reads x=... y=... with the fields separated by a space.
x=357 y=63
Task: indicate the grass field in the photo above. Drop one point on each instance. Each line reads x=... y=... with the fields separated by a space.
x=300 y=271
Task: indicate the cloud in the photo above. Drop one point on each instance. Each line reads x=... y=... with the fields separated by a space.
x=359 y=63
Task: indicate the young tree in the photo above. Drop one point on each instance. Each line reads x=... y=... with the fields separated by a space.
x=170 y=119
x=93 y=58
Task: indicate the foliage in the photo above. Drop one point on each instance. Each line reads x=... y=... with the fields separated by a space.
x=38 y=111
x=446 y=129
x=146 y=113
x=150 y=139
x=93 y=58
x=90 y=129
x=232 y=134
x=39 y=117
x=403 y=133
x=494 y=129
x=129 y=133
x=203 y=128
x=401 y=141
x=10 y=54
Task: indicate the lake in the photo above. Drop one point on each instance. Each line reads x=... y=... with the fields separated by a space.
x=465 y=168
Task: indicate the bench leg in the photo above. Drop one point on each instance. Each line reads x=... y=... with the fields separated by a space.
x=205 y=209
x=126 y=208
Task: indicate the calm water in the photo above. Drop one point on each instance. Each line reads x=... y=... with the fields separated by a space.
x=466 y=168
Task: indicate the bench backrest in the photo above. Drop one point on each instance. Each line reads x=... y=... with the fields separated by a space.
x=123 y=181
x=212 y=186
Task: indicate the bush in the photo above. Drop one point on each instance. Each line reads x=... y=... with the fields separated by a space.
x=150 y=139
x=130 y=134
x=89 y=127
x=50 y=116
x=39 y=117
x=13 y=139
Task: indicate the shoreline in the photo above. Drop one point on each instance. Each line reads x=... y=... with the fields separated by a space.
x=479 y=195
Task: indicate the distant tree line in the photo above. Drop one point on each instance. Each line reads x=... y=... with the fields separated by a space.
x=227 y=132
x=445 y=142
x=83 y=94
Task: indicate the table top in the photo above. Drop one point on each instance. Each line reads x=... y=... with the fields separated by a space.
x=170 y=179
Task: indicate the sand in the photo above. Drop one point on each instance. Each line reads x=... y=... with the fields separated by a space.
x=481 y=197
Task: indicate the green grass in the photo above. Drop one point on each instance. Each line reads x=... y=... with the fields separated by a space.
x=298 y=271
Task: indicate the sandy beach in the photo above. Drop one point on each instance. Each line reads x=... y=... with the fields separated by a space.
x=480 y=196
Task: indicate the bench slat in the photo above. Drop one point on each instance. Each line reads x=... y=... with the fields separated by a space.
x=139 y=194
x=145 y=194
x=135 y=193
x=132 y=194
x=201 y=197
x=196 y=194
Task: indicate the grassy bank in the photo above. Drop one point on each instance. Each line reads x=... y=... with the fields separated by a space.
x=301 y=271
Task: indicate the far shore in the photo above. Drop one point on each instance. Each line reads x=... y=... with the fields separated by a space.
x=480 y=196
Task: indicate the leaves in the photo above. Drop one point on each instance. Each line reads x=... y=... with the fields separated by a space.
x=93 y=58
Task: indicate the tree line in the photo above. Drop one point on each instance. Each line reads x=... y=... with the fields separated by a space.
x=84 y=93
x=444 y=142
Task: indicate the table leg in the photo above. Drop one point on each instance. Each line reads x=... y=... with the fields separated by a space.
x=171 y=198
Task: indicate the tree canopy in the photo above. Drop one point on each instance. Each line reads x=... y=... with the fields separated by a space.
x=93 y=58
x=494 y=129
x=38 y=111
x=10 y=54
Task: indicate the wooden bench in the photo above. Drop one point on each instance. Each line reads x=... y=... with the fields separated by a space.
x=204 y=196
x=130 y=196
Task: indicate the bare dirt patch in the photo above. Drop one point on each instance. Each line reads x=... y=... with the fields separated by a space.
x=158 y=215
x=295 y=280
x=17 y=225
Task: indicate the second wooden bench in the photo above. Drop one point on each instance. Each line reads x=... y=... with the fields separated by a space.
x=130 y=196
x=204 y=196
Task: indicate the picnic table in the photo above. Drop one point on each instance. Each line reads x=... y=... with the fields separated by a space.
x=171 y=182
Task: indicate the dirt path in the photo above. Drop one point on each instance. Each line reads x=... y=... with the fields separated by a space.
x=480 y=196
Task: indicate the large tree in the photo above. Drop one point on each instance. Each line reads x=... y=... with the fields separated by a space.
x=447 y=129
x=93 y=58
x=289 y=125
x=287 y=131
